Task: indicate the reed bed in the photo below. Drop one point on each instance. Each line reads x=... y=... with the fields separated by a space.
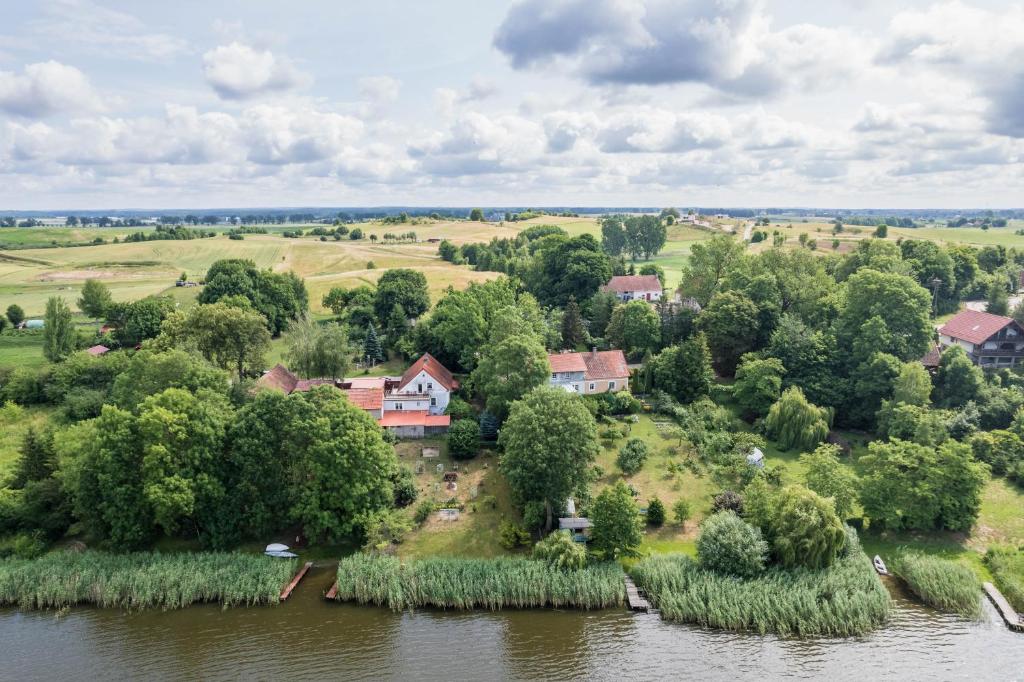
x=940 y=583
x=142 y=580
x=846 y=599
x=1007 y=567
x=476 y=583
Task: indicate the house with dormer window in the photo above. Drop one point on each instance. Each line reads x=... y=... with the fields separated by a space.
x=989 y=340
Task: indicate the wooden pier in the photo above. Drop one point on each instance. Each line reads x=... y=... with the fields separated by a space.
x=1009 y=615
x=332 y=593
x=287 y=591
x=634 y=599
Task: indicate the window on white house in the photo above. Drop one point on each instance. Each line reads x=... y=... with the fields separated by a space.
x=430 y=386
x=592 y=386
x=611 y=385
x=576 y=387
x=554 y=376
x=433 y=402
x=398 y=406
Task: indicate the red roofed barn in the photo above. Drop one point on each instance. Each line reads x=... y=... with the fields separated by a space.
x=990 y=340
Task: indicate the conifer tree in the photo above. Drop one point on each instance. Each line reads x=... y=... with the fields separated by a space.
x=371 y=348
x=574 y=333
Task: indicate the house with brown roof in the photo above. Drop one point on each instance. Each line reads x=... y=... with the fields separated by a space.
x=635 y=287
x=425 y=385
x=990 y=340
x=588 y=373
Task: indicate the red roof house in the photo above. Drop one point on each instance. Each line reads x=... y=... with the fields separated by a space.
x=97 y=350
x=635 y=287
x=593 y=372
x=989 y=340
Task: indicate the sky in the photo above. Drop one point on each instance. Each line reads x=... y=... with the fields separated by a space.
x=261 y=103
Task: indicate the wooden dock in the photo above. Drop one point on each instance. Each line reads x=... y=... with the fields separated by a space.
x=634 y=599
x=287 y=591
x=1010 y=616
x=332 y=593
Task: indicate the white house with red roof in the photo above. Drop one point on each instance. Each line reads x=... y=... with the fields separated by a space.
x=635 y=287
x=990 y=340
x=588 y=373
x=411 y=406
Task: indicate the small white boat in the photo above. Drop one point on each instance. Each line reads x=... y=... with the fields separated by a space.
x=880 y=565
x=281 y=554
x=276 y=547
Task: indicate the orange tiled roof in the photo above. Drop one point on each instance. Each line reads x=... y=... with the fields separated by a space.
x=567 y=362
x=280 y=378
x=626 y=283
x=606 y=364
x=429 y=363
x=414 y=418
x=974 y=326
x=365 y=398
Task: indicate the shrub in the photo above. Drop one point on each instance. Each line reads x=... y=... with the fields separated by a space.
x=512 y=535
x=796 y=423
x=632 y=456
x=655 y=512
x=941 y=583
x=464 y=439
x=559 y=550
x=728 y=501
x=423 y=511
x=405 y=487
x=731 y=546
x=805 y=529
x=459 y=409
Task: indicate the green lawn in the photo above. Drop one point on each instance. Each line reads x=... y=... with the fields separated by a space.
x=18 y=349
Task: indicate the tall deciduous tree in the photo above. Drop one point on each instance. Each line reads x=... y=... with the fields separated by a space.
x=229 y=334
x=796 y=423
x=708 y=265
x=617 y=529
x=509 y=369
x=279 y=297
x=957 y=380
x=684 y=371
x=731 y=323
x=549 y=442
x=15 y=314
x=912 y=486
x=95 y=298
x=830 y=478
x=913 y=386
x=316 y=350
x=805 y=529
x=902 y=306
x=758 y=384
x=58 y=330
x=635 y=328
x=404 y=287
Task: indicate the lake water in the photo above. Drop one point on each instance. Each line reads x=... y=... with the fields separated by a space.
x=307 y=638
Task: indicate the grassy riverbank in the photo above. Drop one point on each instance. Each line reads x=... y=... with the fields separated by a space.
x=142 y=580
x=941 y=583
x=1007 y=567
x=846 y=599
x=476 y=583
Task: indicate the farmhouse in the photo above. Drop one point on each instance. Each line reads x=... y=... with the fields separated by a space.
x=990 y=340
x=411 y=406
x=635 y=287
x=587 y=373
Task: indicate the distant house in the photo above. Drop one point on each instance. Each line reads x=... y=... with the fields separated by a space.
x=990 y=340
x=588 y=373
x=97 y=350
x=410 y=406
x=635 y=287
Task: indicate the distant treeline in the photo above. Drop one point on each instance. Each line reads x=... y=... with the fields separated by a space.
x=163 y=232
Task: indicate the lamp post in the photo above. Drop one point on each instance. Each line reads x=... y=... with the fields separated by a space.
x=935 y=282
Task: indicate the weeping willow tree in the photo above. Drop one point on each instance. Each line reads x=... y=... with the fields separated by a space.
x=796 y=423
x=805 y=529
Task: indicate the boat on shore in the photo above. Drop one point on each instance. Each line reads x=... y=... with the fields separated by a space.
x=880 y=565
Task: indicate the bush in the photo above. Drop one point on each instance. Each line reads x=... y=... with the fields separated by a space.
x=423 y=511
x=464 y=439
x=941 y=583
x=559 y=550
x=512 y=535
x=655 y=512
x=459 y=409
x=405 y=487
x=728 y=501
x=731 y=546
x=23 y=546
x=632 y=456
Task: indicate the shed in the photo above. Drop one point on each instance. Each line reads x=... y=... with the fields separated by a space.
x=756 y=458
x=578 y=523
x=97 y=350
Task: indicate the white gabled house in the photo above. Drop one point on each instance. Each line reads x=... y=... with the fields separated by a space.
x=635 y=287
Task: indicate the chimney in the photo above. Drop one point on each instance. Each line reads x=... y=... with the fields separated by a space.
x=593 y=351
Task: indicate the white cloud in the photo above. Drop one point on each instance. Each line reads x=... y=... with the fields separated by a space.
x=379 y=91
x=46 y=88
x=239 y=71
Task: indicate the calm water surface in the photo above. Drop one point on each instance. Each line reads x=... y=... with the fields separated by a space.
x=307 y=638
